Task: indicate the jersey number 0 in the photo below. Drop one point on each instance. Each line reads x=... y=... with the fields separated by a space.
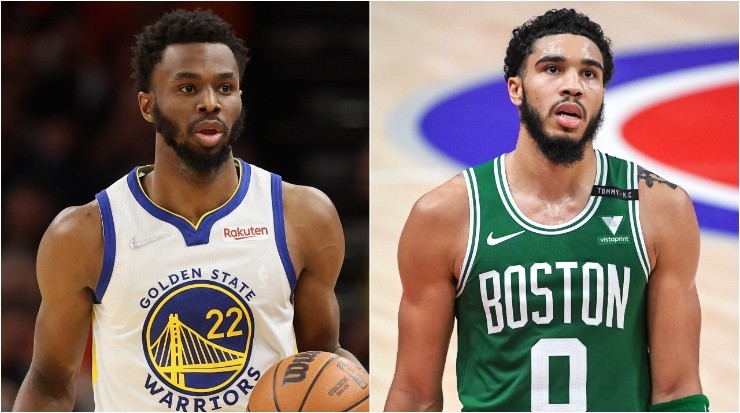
x=542 y=353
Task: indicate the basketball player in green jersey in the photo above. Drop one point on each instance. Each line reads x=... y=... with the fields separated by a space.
x=570 y=272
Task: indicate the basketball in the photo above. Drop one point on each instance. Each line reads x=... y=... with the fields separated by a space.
x=312 y=381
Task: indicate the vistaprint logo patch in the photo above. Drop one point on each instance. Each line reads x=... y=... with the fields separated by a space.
x=253 y=232
x=613 y=223
x=606 y=240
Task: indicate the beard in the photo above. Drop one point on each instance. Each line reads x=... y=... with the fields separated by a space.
x=200 y=162
x=558 y=149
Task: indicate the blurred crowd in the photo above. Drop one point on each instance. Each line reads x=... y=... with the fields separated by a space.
x=71 y=126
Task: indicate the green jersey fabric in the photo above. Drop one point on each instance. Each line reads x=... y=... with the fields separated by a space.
x=552 y=317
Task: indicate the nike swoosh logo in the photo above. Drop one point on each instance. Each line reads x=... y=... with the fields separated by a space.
x=495 y=241
x=138 y=244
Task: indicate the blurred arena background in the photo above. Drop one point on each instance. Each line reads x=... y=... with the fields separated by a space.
x=71 y=127
x=437 y=81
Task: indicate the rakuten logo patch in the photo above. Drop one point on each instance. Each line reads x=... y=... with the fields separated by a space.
x=245 y=233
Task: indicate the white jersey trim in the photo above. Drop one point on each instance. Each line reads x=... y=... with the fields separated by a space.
x=582 y=218
x=471 y=184
x=634 y=210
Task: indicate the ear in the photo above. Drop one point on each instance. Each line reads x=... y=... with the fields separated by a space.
x=146 y=105
x=516 y=90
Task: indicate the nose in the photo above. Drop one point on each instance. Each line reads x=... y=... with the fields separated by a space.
x=209 y=102
x=571 y=85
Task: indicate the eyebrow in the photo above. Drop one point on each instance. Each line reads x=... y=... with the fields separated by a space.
x=561 y=59
x=191 y=75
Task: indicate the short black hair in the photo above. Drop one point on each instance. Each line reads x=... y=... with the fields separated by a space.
x=179 y=27
x=551 y=23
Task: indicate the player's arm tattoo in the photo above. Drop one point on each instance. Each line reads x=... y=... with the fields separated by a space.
x=651 y=178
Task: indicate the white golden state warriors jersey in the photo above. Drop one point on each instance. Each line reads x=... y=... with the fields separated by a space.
x=187 y=318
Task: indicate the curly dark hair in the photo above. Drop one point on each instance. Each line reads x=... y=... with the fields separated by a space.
x=177 y=27
x=555 y=22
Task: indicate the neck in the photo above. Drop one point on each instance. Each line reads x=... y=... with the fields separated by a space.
x=528 y=170
x=177 y=188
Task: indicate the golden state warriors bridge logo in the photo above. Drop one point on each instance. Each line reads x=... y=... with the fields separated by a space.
x=198 y=338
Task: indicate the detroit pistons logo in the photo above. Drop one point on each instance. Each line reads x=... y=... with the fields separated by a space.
x=198 y=337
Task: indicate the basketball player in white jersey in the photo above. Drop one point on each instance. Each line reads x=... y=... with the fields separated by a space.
x=196 y=273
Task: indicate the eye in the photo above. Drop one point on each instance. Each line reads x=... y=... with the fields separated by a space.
x=589 y=74
x=225 y=88
x=551 y=69
x=187 y=89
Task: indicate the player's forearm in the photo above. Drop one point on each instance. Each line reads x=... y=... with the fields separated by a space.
x=34 y=401
x=39 y=393
x=690 y=387
x=674 y=320
x=403 y=401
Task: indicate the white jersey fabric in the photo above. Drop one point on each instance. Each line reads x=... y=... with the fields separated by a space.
x=187 y=318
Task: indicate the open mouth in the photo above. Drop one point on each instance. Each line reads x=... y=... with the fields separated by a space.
x=569 y=115
x=208 y=137
x=208 y=132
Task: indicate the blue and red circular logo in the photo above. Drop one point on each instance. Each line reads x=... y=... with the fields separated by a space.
x=673 y=111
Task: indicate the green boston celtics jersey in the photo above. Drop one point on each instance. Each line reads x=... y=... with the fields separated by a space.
x=552 y=317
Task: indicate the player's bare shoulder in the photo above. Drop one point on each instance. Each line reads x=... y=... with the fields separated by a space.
x=660 y=197
x=72 y=246
x=312 y=226
x=438 y=225
x=666 y=210
x=300 y=201
x=446 y=204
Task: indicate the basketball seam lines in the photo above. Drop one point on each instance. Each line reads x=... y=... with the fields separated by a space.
x=356 y=404
x=274 y=387
x=308 y=391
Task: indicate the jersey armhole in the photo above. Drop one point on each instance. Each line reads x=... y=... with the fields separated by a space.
x=636 y=226
x=109 y=245
x=473 y=230
x=280 y=238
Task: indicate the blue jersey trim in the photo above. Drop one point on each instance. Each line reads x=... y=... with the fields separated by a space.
x=280 y=238
x=109 y=245
x=192 y=235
